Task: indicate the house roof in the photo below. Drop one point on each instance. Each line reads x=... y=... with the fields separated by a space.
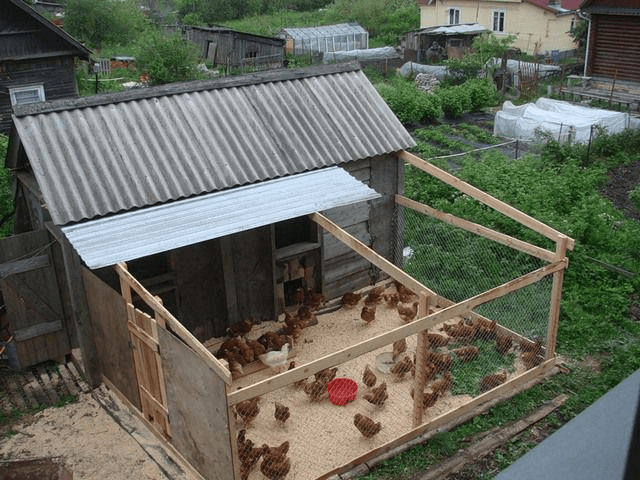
x=615 y=7
x=140 y=233
x=459 y=29
x=99 y=155
x=565 y=4
x=27 y=34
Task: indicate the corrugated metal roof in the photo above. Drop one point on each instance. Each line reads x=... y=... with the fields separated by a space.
x=99 y=155
x=151 y=230
x=323 y=31
x=458 y=29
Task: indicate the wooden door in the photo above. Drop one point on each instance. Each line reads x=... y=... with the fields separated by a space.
x=33 y=299
x=143 y=330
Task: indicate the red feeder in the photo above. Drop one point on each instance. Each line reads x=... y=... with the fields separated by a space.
x=342 y=390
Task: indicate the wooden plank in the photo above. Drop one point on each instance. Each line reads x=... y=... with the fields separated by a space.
x=449 y=420
x=556 y=297
x=24 y=265
x=29 y=393
x=67 y=379
x=421 y=363
x=379 y=261
x=38 y=330
x=31 y=297
x=77 y=378
x=16 y=396
x=484 y=197
x=174 y=324
x=197 y=407
x=418 y=325
x=142 y=335
x=48 y=387
x=477 y=229
x=37 y=390
x=496 y=438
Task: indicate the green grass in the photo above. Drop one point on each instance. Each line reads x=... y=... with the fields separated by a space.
x=561 y=188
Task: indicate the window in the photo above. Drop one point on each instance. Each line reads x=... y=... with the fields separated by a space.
x=498 y=21
x=25 y=95
x=453 y=16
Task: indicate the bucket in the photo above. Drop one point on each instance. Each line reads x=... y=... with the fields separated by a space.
x=342 y=390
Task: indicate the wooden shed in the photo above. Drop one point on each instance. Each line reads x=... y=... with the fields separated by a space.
x=452 y=41
x=37 y=59
x=157 y=226
x=613 y=39
x=233 y=49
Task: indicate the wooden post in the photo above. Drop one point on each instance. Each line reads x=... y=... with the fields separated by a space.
x=556 y=296
x=421 y=362
x=80 y=307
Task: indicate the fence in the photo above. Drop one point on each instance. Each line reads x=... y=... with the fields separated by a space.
x=479 y=323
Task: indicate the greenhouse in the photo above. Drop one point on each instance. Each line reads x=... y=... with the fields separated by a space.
x=329 y=38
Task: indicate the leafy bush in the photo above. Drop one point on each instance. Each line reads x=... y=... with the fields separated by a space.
x=482 y=93
x=6 y=196
x=454 y=101
x=167 y=59
x=410 y=104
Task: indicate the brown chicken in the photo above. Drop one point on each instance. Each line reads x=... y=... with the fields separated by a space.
x=244 y=444
x=529 y=346
x=306 y=316
x=401 y=368
x=468 y=353
x=281 y=413
x=531 y=359
x=399 y=346
x=299 y=296
x=248 y=410
x=460 y=331
x=276 y=454
x=272 y=341
x=256 y=346
x=437 y=340
x=275 y=470
x=299 y=383
x=442 y=384
x=350 y=299
x=404 y=294
x=503 y=344
x=368 y=428
x=375 y=296
x=241 y=328
x=246 y=352
x=368 y=377
x=485 y=329
x=430 y=372
x=368 y=314
x=315 y=390
x=407 y=313
x=442 y=361
x=249 y=460
x=377 y=395
x=391 y=300
x=314 y=300
x=492 y=381
x=429 y=399
x=326 y=375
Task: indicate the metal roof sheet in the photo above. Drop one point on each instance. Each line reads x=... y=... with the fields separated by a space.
x=97 y=156
x=130 y=235
x=323 y=31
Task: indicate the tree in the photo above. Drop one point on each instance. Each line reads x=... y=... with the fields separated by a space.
x=167 y=58
x=100 y=22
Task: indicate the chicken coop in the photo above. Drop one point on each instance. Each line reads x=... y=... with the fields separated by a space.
x=238 y=263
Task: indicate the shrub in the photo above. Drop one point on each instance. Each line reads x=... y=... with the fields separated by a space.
x=454 y=101
x=410 y=104
x=167 y=59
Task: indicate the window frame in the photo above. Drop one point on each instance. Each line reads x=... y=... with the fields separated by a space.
x=495 y=15
x=456 y=12
x=13 y=91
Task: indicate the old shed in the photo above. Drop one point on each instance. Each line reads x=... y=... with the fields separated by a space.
x=37 y=59
x=166 y=230
x=440 y=41
x=233 y=49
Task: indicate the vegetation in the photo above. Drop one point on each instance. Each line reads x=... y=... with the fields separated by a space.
x=167 y=58
x=561 y=187
x=6 y=194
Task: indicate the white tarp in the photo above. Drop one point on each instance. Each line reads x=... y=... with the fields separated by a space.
x=411 y=68
x=363 y=54
x=562 y=120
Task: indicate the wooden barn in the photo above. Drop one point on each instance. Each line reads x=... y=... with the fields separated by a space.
x=613 y=39
x=233 y=49
x=220 y=248
x=37 y=59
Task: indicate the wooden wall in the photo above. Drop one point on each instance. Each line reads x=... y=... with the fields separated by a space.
x=56 y=74
x=370 y=222
x=109 y=321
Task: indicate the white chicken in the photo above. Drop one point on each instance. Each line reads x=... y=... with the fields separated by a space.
x=276 y=359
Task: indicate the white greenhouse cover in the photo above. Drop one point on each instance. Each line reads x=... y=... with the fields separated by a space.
x=160 y=228
x=562 y=120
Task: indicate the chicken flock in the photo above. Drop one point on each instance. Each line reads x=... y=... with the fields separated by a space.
x=453 y=340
